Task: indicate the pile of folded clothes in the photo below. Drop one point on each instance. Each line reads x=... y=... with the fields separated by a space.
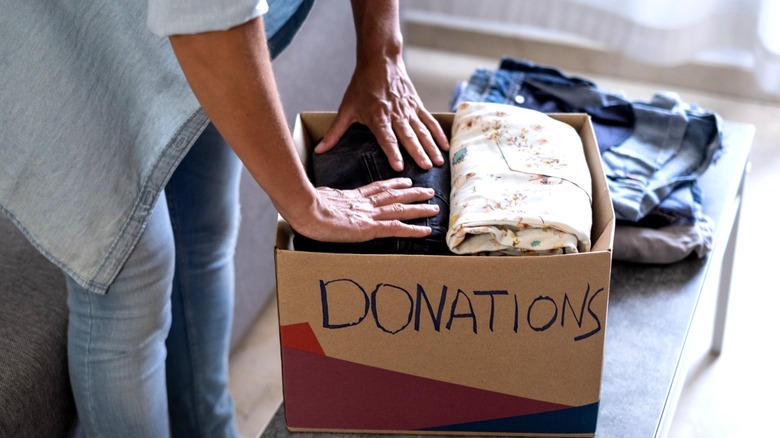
x=516 y=182
x=652 y=152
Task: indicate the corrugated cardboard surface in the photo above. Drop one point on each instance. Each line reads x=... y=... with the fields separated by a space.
x=445 y=344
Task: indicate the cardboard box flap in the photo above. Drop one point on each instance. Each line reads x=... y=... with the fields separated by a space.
x=603 y=227
x=284 y=233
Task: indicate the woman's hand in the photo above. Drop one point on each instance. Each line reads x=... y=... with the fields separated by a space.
x=381 y=95
x=369 y=212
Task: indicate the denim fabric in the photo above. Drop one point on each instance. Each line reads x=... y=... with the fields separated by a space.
x=203 y=206
x=670 y=147
x=681 y=207
x=280 y=29
x=357 y=160
x=649 y=149
x=96 y=116
x=117 y=365
x=672 y=231
x=151 y=355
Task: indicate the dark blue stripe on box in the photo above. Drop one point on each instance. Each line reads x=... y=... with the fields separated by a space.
x=581 y=419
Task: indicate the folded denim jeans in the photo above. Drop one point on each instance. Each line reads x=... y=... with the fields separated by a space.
x=649 y=149
x=357 y=160
x=681 y=207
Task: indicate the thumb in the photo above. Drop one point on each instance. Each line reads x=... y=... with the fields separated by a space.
x=335 y=132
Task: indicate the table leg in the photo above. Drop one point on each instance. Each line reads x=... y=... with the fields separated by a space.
x=724 y=287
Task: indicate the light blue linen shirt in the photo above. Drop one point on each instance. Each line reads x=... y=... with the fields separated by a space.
x=94 y=118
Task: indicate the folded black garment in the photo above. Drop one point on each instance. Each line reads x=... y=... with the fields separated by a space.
x=357 y=160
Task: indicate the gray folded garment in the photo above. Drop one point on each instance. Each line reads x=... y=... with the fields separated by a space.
x=664 y=245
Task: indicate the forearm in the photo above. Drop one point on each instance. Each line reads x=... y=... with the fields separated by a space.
x=381 y=94
x=378 y=30
x=230 y=74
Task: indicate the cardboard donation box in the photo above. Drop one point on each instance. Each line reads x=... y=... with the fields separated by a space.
x=421 y=344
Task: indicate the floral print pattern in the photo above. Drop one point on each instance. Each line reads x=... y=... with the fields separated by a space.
x=520 y=183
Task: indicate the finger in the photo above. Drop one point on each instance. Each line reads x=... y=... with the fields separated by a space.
x=389 y=144
x=396 y=228
x=426 y=141
x=377 y=187
x=405 y=212
x=408 y=138
x=435 y=129
x=406 y=196
x=337 y=129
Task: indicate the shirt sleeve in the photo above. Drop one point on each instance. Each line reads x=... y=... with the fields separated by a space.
x=172 y=17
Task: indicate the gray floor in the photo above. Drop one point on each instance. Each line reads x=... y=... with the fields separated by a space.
x=733 y=395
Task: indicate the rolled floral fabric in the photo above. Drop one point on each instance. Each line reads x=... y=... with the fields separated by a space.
x=520 y=183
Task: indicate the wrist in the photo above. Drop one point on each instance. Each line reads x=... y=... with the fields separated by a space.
x=378 y=29
x=299 y=210
x=389 y=47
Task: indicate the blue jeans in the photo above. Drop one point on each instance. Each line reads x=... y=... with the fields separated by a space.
x=357 y=160
x=649 y=149
x=282 y=22
x=150 y=357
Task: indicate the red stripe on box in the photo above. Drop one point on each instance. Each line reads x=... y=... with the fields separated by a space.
x=300 y=337
x=327 y=393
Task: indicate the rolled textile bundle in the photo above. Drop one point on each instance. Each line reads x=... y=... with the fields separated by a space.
x=520 y=183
